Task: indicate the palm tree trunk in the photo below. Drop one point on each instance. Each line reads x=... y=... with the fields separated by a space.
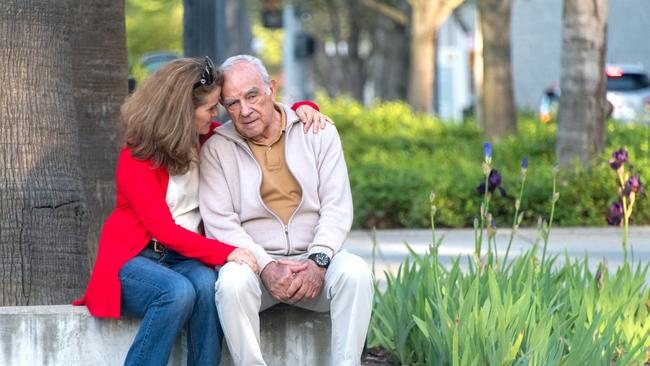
x=43 y=216
x=100 y=86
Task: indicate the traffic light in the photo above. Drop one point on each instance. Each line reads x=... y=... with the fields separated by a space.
x=304 y=46
x=272 y=13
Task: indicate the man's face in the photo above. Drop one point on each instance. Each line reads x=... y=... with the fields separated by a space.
x=248 y=100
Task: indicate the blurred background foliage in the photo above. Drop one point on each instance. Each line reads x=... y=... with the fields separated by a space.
x=152 y=25
x=157 y=26
x=396 y=158
x=267 y=44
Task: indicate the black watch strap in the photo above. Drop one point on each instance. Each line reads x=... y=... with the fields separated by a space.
x=321 y=259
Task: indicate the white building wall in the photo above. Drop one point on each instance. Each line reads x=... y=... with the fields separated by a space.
x=453 y=76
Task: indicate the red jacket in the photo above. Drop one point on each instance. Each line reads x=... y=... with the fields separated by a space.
x=141 y=213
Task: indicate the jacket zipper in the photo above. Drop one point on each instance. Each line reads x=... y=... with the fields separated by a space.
x=259 y=170
x=302 y=189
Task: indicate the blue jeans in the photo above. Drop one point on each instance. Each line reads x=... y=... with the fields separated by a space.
x=168 y=290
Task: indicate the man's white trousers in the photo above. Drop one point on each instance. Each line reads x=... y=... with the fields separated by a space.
x=346 y=294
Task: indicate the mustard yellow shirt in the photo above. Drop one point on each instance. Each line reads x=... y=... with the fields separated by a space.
x=280 y=191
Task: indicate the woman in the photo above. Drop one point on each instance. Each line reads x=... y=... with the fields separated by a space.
x=152 y=261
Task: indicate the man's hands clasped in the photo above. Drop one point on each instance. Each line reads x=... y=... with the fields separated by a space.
x=291 y=281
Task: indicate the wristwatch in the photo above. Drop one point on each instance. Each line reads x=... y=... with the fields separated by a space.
x=321 y=259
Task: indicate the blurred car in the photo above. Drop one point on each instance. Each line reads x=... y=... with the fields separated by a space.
x=154 y=60
x=628 y=92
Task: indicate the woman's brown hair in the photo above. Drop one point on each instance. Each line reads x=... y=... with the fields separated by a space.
x=158 y=118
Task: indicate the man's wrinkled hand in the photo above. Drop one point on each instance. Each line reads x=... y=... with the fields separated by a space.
x=307 y=284
x=277 y=278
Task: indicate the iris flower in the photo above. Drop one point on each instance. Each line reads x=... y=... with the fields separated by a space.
x=494 y=183
x=615 y=213
x=619 y=157
x=633 y=184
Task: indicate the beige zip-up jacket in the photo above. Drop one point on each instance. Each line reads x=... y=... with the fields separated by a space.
x=233 y=210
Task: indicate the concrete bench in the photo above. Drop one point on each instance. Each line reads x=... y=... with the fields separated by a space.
x=69 y=336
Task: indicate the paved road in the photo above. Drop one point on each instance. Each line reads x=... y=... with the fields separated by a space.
x=597 y=243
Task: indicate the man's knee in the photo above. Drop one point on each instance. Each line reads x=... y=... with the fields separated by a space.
x=355 y=272
x=234 y=279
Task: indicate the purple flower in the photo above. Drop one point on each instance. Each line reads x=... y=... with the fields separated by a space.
x=633 y=184
x=487 y=149
x=619 y=157
x=615 y=213
x=494 y=182
x=524 y=162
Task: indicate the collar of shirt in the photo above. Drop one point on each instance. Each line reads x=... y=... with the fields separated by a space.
x=283 y=119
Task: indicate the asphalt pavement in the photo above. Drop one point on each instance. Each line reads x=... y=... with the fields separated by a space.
x=597 y=243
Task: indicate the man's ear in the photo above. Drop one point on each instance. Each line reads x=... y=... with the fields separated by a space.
x=272 y=86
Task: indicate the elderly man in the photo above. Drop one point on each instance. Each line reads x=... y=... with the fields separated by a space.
x=285 y=195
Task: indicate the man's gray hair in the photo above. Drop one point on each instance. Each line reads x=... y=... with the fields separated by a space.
x=249 y=59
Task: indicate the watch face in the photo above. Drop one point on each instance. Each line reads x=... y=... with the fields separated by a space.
x=321 y=259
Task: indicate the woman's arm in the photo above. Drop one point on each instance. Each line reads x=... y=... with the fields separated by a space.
x=310 y=115
x=138 y=182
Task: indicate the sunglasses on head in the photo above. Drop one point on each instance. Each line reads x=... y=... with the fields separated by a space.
x=207 y=76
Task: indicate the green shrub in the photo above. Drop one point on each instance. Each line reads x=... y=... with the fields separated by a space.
x=396 y=157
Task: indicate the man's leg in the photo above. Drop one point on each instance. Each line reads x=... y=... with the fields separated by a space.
x=348 y=290
x=238 y=296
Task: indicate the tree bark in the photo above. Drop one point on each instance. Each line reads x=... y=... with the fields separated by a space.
x=498 y=114
x=43 y=217
x=581 y=119
x=100 y=70
x=426 y=17
x=422 y=53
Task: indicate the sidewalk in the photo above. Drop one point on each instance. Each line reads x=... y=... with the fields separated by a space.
x=597 y=243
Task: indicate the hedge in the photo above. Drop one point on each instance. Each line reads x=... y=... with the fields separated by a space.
x=396 y=157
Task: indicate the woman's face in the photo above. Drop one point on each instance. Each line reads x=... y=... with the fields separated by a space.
x=204 y=113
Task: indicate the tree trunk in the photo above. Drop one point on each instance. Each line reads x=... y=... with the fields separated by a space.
x=422 y=52
x=498 y=113
x=426 y=17
x=356 y=72
x=581 y=119
x=43 y=218
x=239 y=33
x=391 y=62
x=100 y=84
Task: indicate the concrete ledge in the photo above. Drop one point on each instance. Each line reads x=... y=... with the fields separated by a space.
x=68 y=335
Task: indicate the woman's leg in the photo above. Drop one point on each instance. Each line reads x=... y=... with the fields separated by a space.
x=204 y=336
x=164 y=299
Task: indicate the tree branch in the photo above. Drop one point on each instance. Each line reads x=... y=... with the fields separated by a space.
x=448 y=7
x=389 y=11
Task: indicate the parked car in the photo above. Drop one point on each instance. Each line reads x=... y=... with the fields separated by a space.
x=154 y=60
x=147 y=64
x=628 y=92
